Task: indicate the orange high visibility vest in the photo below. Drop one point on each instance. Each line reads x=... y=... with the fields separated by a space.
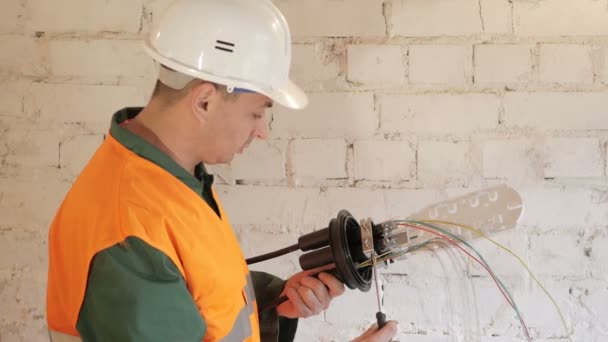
x=146 y=201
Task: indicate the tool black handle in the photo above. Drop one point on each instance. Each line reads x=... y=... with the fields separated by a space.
x=381 y=318
x=314 y=240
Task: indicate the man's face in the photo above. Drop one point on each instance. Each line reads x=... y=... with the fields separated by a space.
x=232 y=125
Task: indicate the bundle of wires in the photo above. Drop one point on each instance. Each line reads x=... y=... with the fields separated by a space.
x=445 y=235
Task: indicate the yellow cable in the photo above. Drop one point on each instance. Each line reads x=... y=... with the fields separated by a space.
x=514 y=255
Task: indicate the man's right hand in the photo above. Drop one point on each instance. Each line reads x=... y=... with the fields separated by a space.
x=383 y=335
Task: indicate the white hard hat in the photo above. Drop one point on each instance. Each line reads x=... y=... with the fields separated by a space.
x=242 y=44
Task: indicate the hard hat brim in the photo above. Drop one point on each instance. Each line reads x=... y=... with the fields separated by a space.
x=290 y=96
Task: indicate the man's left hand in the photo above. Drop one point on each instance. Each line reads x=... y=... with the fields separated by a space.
x=309 y=293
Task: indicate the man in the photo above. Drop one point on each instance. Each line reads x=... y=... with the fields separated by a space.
x=141 y=248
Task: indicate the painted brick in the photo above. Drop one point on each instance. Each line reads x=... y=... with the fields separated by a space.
x=86 y=16
x=604 y=65
x=23 y=248
x=443 y=163
x=440 y=64
x=14 y=92
x=80 y=103
x=267 y=205
x=263 y=160
x=566 y=64
x=540 y=313
x=20 y=55
x=154 y=9
x=503 y=63
x=21 y=298
x=549 y=207
x=27 y=145
x=383 y=160
x=75 y=152
x=496 y=16
x=422 y=304
x=31 y=202
x=11 y=15
x=445 y=114
x=99 y=59
x=336 y=18
x=573 y=157
x=416 y=18
x=560 y=18
x=558 y=254
x=312 y=65
x=378 y=66
x=402 y=203
x=495 y=314
x=329 y=115
x=318 y=160
x=361 y=203
x=514 y=159
x=595 y=296
x=351 y=302
x=540 y=110
x=599 y=255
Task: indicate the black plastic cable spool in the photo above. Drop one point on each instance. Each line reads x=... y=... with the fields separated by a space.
x=347 y=250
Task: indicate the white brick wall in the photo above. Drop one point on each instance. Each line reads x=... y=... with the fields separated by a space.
x=560 y=18
x=573 y=157
x=262 y=161
x=336 y=18
x=441 y=114
x=415 y=18
x=497 y=16
x=20 y=55
x=30 y=146
x=576 y=111
x=330 y=115
x=313 y=66
x=561 y=207
x=443 y=163
x=500 y=64
x=440 y=64
x=558 y=254
x=566 y=64
x=110 y=60
x=12 y=10
x=76 y=151
x=515 y=160
x=412 y=101
x=11 y=102
x=604 y=65
x=379 y=66
x=79 y=16
x=383 y=160
x=34 y=198
x=79 y=103
x=329 y=160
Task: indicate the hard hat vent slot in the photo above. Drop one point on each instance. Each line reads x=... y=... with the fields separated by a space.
x=224 y=46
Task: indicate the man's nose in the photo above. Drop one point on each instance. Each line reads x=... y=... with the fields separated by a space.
x=262 y=131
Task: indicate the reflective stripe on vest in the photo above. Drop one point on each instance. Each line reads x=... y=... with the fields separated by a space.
x=242 y=326
x=56 y=336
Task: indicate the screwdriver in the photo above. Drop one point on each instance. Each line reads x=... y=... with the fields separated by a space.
x=380 y=316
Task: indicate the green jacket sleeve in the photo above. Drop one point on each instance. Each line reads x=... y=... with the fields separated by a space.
x=272 y=327
x=136 y=293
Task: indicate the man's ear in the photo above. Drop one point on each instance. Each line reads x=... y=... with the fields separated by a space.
x=202 y=94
